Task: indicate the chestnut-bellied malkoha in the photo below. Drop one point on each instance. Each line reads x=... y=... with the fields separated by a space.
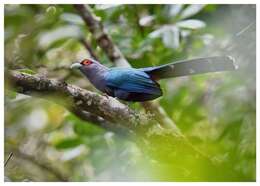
x=140 y=84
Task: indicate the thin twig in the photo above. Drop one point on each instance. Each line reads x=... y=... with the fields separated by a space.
x=9 y=157
x=89 y=49
x=244 y=29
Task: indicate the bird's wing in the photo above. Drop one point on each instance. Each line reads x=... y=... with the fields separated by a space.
x=132 y=80
x=191 y=67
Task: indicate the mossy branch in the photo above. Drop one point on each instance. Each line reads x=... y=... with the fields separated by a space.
x=105 y=111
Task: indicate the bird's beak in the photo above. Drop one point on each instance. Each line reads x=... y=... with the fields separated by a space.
x=75 y=65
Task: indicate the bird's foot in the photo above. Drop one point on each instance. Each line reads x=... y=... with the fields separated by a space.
x=107 y=96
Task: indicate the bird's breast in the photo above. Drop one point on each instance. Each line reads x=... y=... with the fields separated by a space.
x=96 y=78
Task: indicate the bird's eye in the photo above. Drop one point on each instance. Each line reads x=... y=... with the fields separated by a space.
x=86 y=62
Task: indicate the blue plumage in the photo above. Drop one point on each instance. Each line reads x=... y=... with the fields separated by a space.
x=132 y=84
x=131 y=80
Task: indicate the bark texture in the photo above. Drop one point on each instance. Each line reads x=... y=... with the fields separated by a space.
x=104 y=111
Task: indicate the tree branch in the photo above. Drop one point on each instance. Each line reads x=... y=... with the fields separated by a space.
x=98 y=32
x=99 y=121
x=88 y=48
x=80 y=101
x=107 y=112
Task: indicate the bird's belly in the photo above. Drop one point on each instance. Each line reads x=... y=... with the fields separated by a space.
x=134 y=96
x=99 y=84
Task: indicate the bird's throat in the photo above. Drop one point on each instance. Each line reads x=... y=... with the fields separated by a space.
x=96 y=75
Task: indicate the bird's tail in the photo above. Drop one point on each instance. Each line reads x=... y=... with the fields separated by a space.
x=191 y=67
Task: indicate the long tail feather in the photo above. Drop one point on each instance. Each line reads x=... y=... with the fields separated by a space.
x=192 y=67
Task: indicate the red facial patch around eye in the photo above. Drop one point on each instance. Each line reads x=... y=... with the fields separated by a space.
x=86 y=62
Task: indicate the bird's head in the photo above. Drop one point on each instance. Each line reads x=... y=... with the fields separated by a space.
x=85 y=64
x=89 y=67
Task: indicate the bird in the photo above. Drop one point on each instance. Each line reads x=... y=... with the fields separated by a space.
x=141 y=84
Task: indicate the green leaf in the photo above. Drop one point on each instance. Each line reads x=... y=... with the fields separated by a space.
x=10 y=94
x=51 y=10
x=68 y=143
x=85 y=129
x=27 y=71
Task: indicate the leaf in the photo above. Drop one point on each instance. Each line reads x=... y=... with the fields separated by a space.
x=72 y=18
x=106 y=6
x=51 y=10
x=191 y=24
x=73 y=153
x=68 y=143
x=84 y=129
x=185 y=33
x=156 y=33
x=146 y=20
x=191 y=10
x=10 y=94
x=27 y=71
x=170 y=35
x=47 y=38
x=175 y=9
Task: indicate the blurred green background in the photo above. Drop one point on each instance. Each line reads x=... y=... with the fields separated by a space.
x=217 y=111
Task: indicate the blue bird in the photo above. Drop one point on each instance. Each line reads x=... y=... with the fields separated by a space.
x=138 y=85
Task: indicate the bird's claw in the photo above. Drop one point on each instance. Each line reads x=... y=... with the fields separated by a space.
x=107 y=96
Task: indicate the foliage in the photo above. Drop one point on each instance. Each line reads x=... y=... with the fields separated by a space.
x=216 y=112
